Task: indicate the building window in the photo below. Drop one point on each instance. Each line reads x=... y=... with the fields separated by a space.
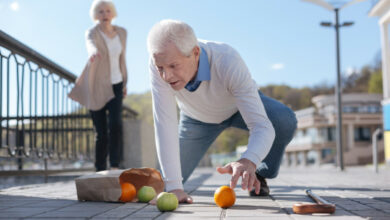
x=331 y=134
x=362 y=109
x=312 y=133
x=325 y=153
x=374 y=109
x=349 y=109
x=362 y=134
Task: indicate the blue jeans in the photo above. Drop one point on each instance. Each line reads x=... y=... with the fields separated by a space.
x=196 y=137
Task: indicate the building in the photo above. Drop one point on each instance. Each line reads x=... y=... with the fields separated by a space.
x=315 y=139
x=381 y=9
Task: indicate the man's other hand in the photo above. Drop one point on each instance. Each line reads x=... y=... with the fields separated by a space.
x=182 y=196
x=242 y=168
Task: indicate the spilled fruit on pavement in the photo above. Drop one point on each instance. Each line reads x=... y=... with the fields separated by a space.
x=146 y=193
x=128 y=192
x=224 y=197
x=167 y=202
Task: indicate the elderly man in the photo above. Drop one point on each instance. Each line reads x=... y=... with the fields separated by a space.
x=214 y=90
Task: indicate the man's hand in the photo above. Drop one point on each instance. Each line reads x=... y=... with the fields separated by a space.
x=244 y=168
x=182 y=196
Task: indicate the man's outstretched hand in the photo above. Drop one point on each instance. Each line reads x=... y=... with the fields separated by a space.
x=242 y=168
x=182 y=196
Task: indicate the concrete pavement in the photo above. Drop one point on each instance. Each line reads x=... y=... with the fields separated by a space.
x=358 y=193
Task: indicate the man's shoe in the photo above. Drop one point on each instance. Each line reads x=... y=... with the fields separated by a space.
x=264 y=189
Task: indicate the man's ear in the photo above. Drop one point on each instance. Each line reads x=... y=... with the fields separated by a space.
x=196 y=51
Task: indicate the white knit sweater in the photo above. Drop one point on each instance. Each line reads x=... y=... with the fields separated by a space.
x=229 y=90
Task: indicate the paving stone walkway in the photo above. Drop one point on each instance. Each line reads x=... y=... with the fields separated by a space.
x=358 y=193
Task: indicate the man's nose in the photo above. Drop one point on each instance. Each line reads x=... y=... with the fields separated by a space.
x=167 y=75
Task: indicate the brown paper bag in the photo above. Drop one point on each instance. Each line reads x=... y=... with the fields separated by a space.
x=105 y=185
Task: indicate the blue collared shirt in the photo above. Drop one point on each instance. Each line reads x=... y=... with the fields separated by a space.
x=203 y=73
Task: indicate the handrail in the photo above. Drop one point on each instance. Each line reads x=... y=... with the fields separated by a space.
x=18 y=47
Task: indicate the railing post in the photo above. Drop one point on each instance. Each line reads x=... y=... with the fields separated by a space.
x=375 y=135
x=45 y=169
x=19 y=146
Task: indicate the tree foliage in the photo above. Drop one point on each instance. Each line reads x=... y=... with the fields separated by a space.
x=142 y=104
x=295 y=98
x=375 y=84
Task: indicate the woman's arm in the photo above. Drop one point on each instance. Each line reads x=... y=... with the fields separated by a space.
x=90 y=42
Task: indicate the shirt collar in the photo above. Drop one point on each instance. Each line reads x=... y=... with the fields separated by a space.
x=203 y=73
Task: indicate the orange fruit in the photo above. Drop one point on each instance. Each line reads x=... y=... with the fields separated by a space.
x=224 y=197
x=128 y=192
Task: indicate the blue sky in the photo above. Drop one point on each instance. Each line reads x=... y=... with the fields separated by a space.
x=280 y=40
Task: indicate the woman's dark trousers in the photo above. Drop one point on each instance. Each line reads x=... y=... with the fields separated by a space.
x=109 y=141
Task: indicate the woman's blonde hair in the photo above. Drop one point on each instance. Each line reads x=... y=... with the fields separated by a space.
x=93 y=12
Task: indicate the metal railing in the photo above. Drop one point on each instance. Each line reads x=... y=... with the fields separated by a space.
x=37 y=119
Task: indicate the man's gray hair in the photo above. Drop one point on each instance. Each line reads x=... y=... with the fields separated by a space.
x=171 y=31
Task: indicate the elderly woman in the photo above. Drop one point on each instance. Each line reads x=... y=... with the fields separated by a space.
x=102 y=84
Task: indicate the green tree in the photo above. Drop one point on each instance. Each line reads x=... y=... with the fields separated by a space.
x=305 y=98
x=142 y=104
x=375 y=84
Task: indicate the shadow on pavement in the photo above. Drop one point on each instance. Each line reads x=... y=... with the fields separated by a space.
x=276 y=188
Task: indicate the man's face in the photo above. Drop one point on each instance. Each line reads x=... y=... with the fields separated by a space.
x=176 y=68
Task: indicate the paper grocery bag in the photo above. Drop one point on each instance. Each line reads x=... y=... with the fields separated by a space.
x=105 y=185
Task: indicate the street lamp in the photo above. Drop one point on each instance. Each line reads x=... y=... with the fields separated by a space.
x=337 y=25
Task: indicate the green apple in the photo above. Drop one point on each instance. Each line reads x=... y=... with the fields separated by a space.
x=167 y=202
x=146 y=193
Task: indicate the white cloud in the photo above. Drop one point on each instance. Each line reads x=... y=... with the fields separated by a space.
x=14 y=6
x=277 y=66
x=350 y=70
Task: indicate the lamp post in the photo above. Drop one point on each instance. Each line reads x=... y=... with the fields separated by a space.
x=337 y=25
